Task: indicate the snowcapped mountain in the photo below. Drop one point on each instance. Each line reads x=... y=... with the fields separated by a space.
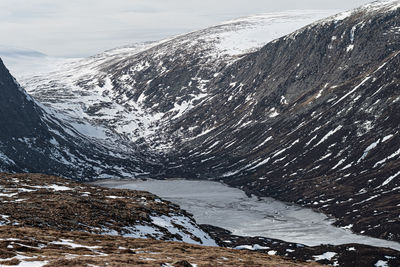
x=98 y=103
x=311 y=117
x=134 y=91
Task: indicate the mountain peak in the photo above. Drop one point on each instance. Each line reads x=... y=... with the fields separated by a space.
x=16 y=106
x=370 y=9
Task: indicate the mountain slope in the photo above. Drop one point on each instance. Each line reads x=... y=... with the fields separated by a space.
x=319 y=127
x=34 y=138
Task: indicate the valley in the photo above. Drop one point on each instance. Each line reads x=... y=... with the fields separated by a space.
x=284 y=125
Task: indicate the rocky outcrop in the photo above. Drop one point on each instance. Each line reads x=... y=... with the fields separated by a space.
x=48 y=202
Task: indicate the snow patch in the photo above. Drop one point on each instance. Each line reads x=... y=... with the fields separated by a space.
x=325 y=256
x=330 y=133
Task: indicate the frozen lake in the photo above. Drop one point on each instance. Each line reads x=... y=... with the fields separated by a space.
x=220 y=205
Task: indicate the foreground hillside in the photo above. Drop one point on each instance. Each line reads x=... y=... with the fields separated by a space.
x=38 y=247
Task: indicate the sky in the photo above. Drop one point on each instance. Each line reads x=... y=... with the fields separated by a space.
x=75 y=28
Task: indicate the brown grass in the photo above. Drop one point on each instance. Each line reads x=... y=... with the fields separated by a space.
x=39 y=245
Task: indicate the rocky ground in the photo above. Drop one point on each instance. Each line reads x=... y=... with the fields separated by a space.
x=34 y=200
x=56 y=248
x=343 y=255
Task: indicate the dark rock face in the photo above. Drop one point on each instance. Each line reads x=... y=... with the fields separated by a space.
x=17 y=107
x=20 y=118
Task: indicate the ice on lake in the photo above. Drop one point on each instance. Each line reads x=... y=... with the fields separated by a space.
x=220 y=205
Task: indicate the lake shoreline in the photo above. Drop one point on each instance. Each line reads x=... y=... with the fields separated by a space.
x=229 y=191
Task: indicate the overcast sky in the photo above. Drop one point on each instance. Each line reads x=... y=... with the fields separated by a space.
x=86 y=27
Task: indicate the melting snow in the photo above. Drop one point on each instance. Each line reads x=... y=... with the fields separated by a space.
x=73 y=245
x=394 y=155
x=170 y=224
x=32 y=263
x=263 y=143
x=381 y=263
x=352 y=91
x=350 y=48
x=265 y=161
x=387 y=138
x=274 y=113
x=328 y=135
x=325 y=256
x=388 y=180
x=369 y=148
x=54 y=187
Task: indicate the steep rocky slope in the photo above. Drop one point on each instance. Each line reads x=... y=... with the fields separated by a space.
x=313 y=119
